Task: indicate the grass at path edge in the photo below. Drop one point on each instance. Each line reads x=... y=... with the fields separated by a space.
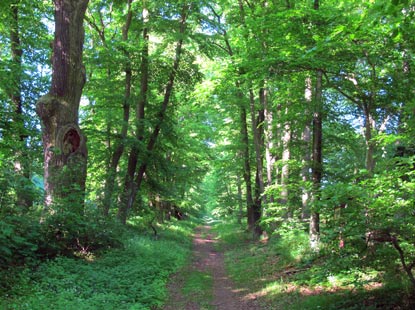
x=285 y=275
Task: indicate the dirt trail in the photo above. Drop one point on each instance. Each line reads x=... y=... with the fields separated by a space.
x=207 y=259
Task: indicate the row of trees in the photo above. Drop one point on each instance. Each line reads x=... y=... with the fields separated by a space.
x=295 y=113
x=122 y=71
x=133 y=56
x=324 y=94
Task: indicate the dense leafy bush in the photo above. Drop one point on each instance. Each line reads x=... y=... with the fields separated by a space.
x=68 y=233
x=19 y=240
x=25 y=240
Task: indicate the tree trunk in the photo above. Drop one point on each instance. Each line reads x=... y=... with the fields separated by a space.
x=129 y=199
x=244 y=142
x=268 y=135
x=120 y=144
x=64 y=145
x=17 y=133
x=285 y=170
x=306 y=139
x=17 y=53
x=370 y=145
x=259 y=178
x=240 y=203
x=256 y=133
x=317 y=156
x=140 y=114
x=368 y=107
x=247 y=165
x=317 y=170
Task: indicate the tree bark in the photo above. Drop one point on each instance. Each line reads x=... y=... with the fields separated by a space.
x=64 y=145
x=286 y=156
x=240 y=202
x=259 y=178
x=247 y=165
x=317 y=170
x=317 y=155
x=370 y=145
x=306 y=139
x=268 y=135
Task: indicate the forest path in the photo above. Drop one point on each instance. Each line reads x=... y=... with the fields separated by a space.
x=209 y=261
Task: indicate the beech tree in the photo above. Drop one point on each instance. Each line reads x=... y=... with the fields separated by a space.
x=24 y=51
x=64 y=144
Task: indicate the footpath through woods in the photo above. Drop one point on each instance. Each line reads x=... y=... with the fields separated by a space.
x=217 y=292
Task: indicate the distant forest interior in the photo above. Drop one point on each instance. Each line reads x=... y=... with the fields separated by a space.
x=277 y=135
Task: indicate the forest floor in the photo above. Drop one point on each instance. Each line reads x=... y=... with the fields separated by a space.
x=204 y=284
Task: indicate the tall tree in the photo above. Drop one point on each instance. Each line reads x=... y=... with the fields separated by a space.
x=257 y=133
x=129 y=186
x=64 y=145
x=317 y=157
x=131 y=192
x=15 y=94
x=306 y=138
x=120 y=142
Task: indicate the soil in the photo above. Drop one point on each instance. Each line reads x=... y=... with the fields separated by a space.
x=207 y=259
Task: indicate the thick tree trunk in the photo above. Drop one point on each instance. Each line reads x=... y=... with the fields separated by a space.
x=120 y=144
x=65 y=151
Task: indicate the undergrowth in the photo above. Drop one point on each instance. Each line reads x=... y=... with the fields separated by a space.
x=286 y=274
x=131 y=277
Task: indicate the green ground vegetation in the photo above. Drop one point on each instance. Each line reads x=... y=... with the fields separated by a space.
x=133 y=276
x=287 y=275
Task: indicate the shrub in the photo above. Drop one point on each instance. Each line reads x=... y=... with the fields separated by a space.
x=68 y=233
x=19 y=237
